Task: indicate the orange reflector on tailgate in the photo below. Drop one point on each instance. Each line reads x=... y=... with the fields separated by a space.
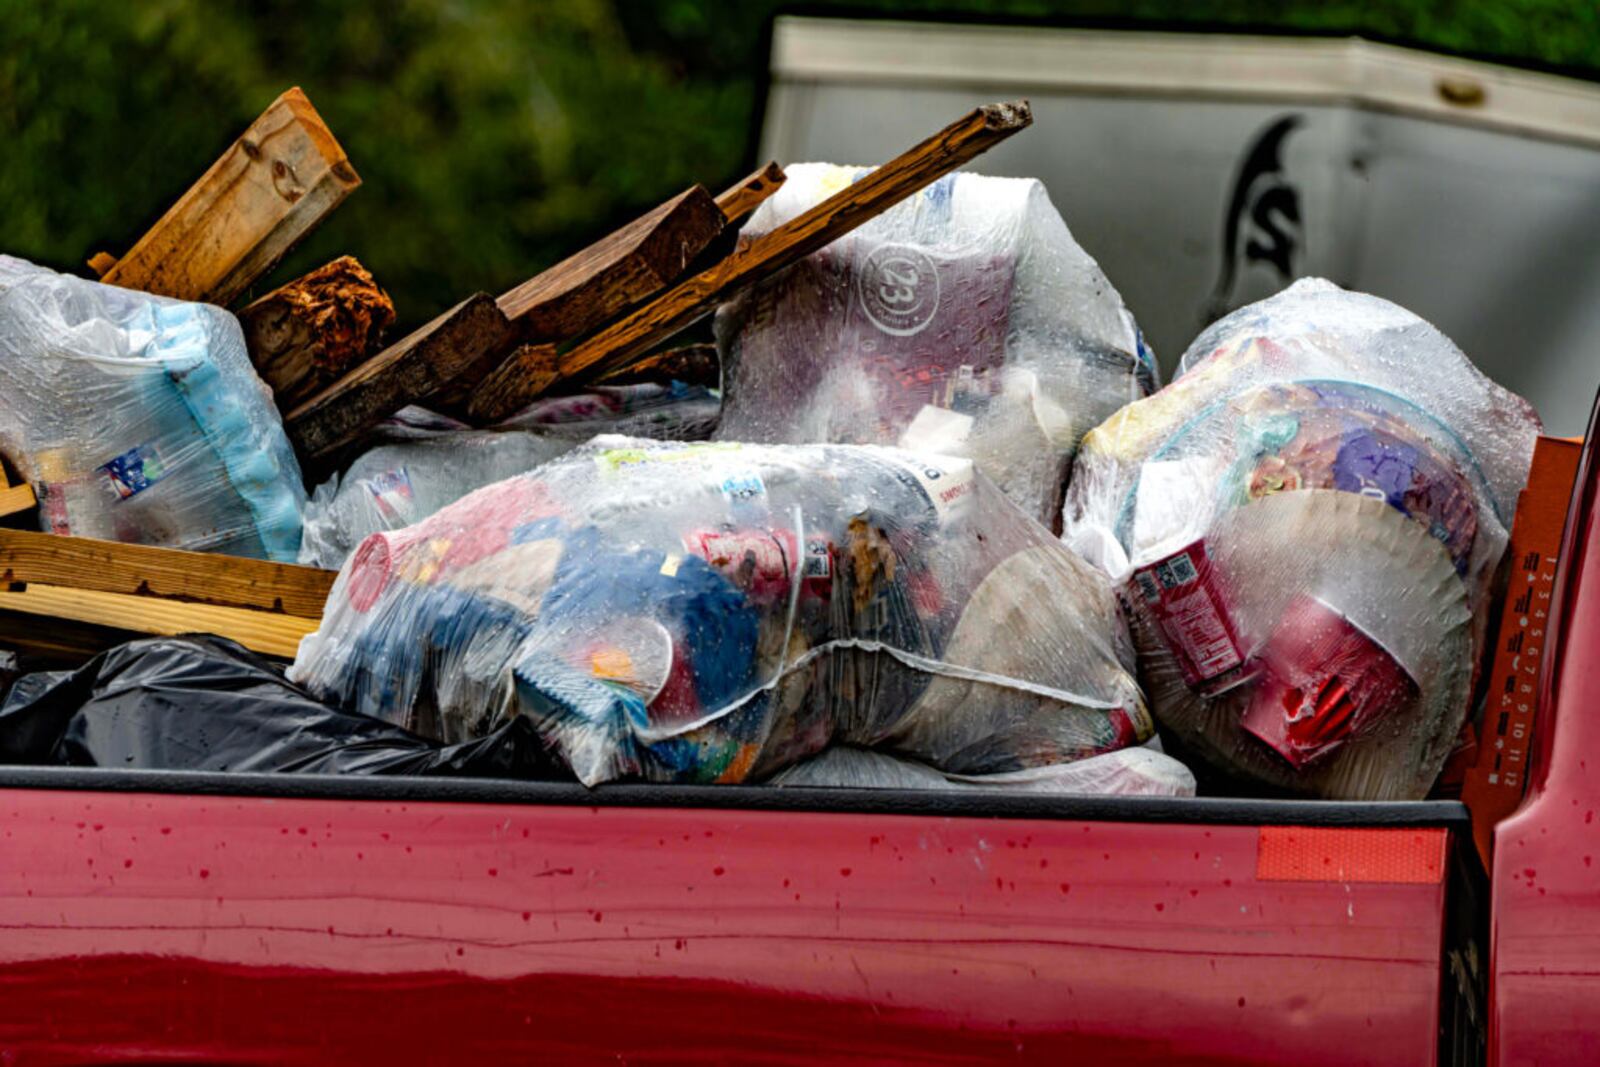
x=1323 y=854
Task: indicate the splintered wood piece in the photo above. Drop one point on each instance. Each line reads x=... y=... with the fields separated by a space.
x=267 y=191
x=585 y=290
x=530 y=369
x=14 y=498
x=264 y=631
x=144 y=570
x=635 y=334
x=692 y=364
x=101 y=262
x=747 y=195
x=406 y=371
x=617 y=271
x=305 y=334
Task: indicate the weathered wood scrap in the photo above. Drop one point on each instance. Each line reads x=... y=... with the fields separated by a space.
x=637 y=333
x=304 y=335
x=266 y=192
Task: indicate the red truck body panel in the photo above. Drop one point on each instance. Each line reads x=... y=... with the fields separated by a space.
x=1545 y=935
x=146 y=927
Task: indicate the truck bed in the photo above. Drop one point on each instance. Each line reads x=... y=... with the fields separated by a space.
x=175 y=917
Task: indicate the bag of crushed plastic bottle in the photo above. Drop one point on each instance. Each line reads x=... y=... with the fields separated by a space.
x=1127 y=772
x=715 y=612
x=964 y=321
x=137 y=418
x=1307 y=524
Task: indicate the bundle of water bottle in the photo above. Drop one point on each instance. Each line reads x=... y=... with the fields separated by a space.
x=938 y=528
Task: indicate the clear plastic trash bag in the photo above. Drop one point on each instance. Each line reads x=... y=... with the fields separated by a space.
x=964 y=321
x=1307 y=524
x=423 y=460
x=715 y=612
x=140 y=419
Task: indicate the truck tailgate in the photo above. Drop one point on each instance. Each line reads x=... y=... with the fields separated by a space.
x=158 y=918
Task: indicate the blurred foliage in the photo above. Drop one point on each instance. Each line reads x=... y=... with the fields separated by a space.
x=494 y=137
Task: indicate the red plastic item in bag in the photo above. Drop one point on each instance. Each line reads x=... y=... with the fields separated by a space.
x=1322 y=682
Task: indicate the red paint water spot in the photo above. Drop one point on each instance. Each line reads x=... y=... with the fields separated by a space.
x=844 y=871
x=1065 y=889
x=1161 y=907
x=494 y=872
x=718 y=871
x=598 y=916
x=527 y=915
x=1241 y=1002
x=204 y=873
x=166 y=829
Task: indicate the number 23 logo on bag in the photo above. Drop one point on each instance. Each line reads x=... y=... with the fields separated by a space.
x=899 y=289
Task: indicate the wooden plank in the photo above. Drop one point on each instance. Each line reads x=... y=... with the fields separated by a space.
x=16 y=498
x=408 y=370
x=264 y=631
x=617 y=271
x=304 y=335
x=529 y=370
x=746 y=195
x=276 y=182
x=113 y=567
x=624 y=341
x=691 y=364
x=61 y=643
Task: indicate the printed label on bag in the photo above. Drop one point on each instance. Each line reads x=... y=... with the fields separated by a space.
x=947 y=481
x=899 y=289
x=133 y=472
x=1182 y=593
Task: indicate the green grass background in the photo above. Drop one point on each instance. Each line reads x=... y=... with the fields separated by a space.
x=494 y=138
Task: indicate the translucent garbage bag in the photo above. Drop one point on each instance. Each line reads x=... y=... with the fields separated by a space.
x=964 y=321
x=1307 y=524
x=423 y=460
x=715 y=612
x=664 y=411
x=1127 y=772
x=404 y=481
x=137 y=418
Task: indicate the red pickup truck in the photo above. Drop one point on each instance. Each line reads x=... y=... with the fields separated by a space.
x=155 y=917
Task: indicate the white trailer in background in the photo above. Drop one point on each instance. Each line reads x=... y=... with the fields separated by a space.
x=1205 y=171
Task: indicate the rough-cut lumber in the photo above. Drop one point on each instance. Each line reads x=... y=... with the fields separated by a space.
x=267 y=191
x=143 y=570
x=692 y=299
x=101 y=262
x=692 y=364
x=14 y=498
x=408 y=370
x=529 y=371
x=585 y=290
x=61 y=643
x=617 y=271
x=264 y=631
x=745 y=196
x=305 y=334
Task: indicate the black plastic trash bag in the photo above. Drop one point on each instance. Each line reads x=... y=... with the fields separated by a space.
x=204 y=703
